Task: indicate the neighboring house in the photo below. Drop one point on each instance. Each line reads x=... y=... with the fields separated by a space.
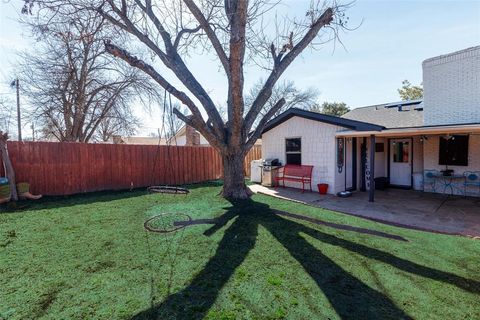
x=185 y=136
x=409 y=138
x=137 y=140
x=188 y=136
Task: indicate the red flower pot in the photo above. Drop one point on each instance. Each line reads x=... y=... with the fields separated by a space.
x=322 y=188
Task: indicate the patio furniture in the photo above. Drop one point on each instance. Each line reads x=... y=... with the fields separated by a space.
x=472 y=179
x=295 y=173
x=430 y=179
x=447 y=181
x=451 y=182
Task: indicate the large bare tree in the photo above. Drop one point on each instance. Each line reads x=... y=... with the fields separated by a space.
x=235 y=31
x=78 y=91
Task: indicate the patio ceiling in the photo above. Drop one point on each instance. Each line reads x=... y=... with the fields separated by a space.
x=415 y=131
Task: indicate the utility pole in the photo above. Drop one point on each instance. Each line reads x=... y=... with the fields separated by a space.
x=19 y=121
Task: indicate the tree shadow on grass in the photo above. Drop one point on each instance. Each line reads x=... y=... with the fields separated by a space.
x=194 y=301
x=65 y=201
x=349 y=296
x=55 y=202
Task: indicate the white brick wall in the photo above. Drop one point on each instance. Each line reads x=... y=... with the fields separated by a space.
x=452 y=88
x=318 y=149
x=417 y=155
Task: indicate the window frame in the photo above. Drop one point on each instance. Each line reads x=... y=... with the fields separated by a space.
x=443 y=155
x=293 y=152
x=399 y=146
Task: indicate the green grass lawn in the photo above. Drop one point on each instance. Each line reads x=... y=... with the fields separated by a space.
x=89 y=257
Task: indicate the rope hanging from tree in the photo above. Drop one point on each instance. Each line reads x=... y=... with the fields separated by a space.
x=169 y=137
x=170 y=224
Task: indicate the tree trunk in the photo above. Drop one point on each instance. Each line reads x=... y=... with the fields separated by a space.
x=9 y=172
x=233 y=177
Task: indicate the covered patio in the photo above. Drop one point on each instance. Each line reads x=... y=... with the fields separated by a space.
x=444 y=157
x=405 y=208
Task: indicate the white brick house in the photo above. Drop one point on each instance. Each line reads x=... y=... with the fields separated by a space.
x=317 y=134
x=411 y=139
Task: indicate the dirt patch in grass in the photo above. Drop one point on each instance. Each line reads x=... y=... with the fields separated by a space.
x=46 y=300
x=108 y=244
x=99 y=266
x=10 y=235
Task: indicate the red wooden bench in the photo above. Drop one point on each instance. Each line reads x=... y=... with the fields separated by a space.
x=296 y=173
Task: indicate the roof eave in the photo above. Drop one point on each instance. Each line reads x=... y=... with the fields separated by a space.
x=333 y=120
x=415 y=131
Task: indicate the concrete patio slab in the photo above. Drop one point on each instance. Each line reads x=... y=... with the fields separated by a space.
x=405 y=208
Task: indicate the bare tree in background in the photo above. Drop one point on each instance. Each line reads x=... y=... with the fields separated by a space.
x=6 y=114
x=294 y=97
x=116 y=123
x=77 y=90
x=172 y=123
x=234 y=30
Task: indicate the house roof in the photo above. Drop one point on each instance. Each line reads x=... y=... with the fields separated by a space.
x=315 y=116
x=401 y=114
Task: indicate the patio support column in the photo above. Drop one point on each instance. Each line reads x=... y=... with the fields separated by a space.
x=363 y=164
x=371 y=190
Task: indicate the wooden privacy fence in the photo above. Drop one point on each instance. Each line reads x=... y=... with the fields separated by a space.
x=62 y=168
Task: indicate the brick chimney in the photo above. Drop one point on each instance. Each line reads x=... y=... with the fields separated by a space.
x=192 y=136
x=451 y=86
x=117 y=139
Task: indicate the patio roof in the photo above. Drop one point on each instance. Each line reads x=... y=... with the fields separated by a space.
x=415 y=131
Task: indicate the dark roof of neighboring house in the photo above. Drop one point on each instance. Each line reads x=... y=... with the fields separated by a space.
x=338 y=121
x=403 y=114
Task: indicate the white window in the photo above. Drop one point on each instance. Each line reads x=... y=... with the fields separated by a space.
x=293 y=149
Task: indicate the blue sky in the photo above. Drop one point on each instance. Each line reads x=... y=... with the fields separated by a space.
x=390 y=45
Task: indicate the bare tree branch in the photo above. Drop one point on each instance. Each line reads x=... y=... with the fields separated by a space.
x=171 y=59
x=258 y=131
x=200 y=125
x=211 y=35
x=282 y=65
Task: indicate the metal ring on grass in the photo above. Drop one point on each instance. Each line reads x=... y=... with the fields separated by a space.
x=168 y=189
x=167 y=222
